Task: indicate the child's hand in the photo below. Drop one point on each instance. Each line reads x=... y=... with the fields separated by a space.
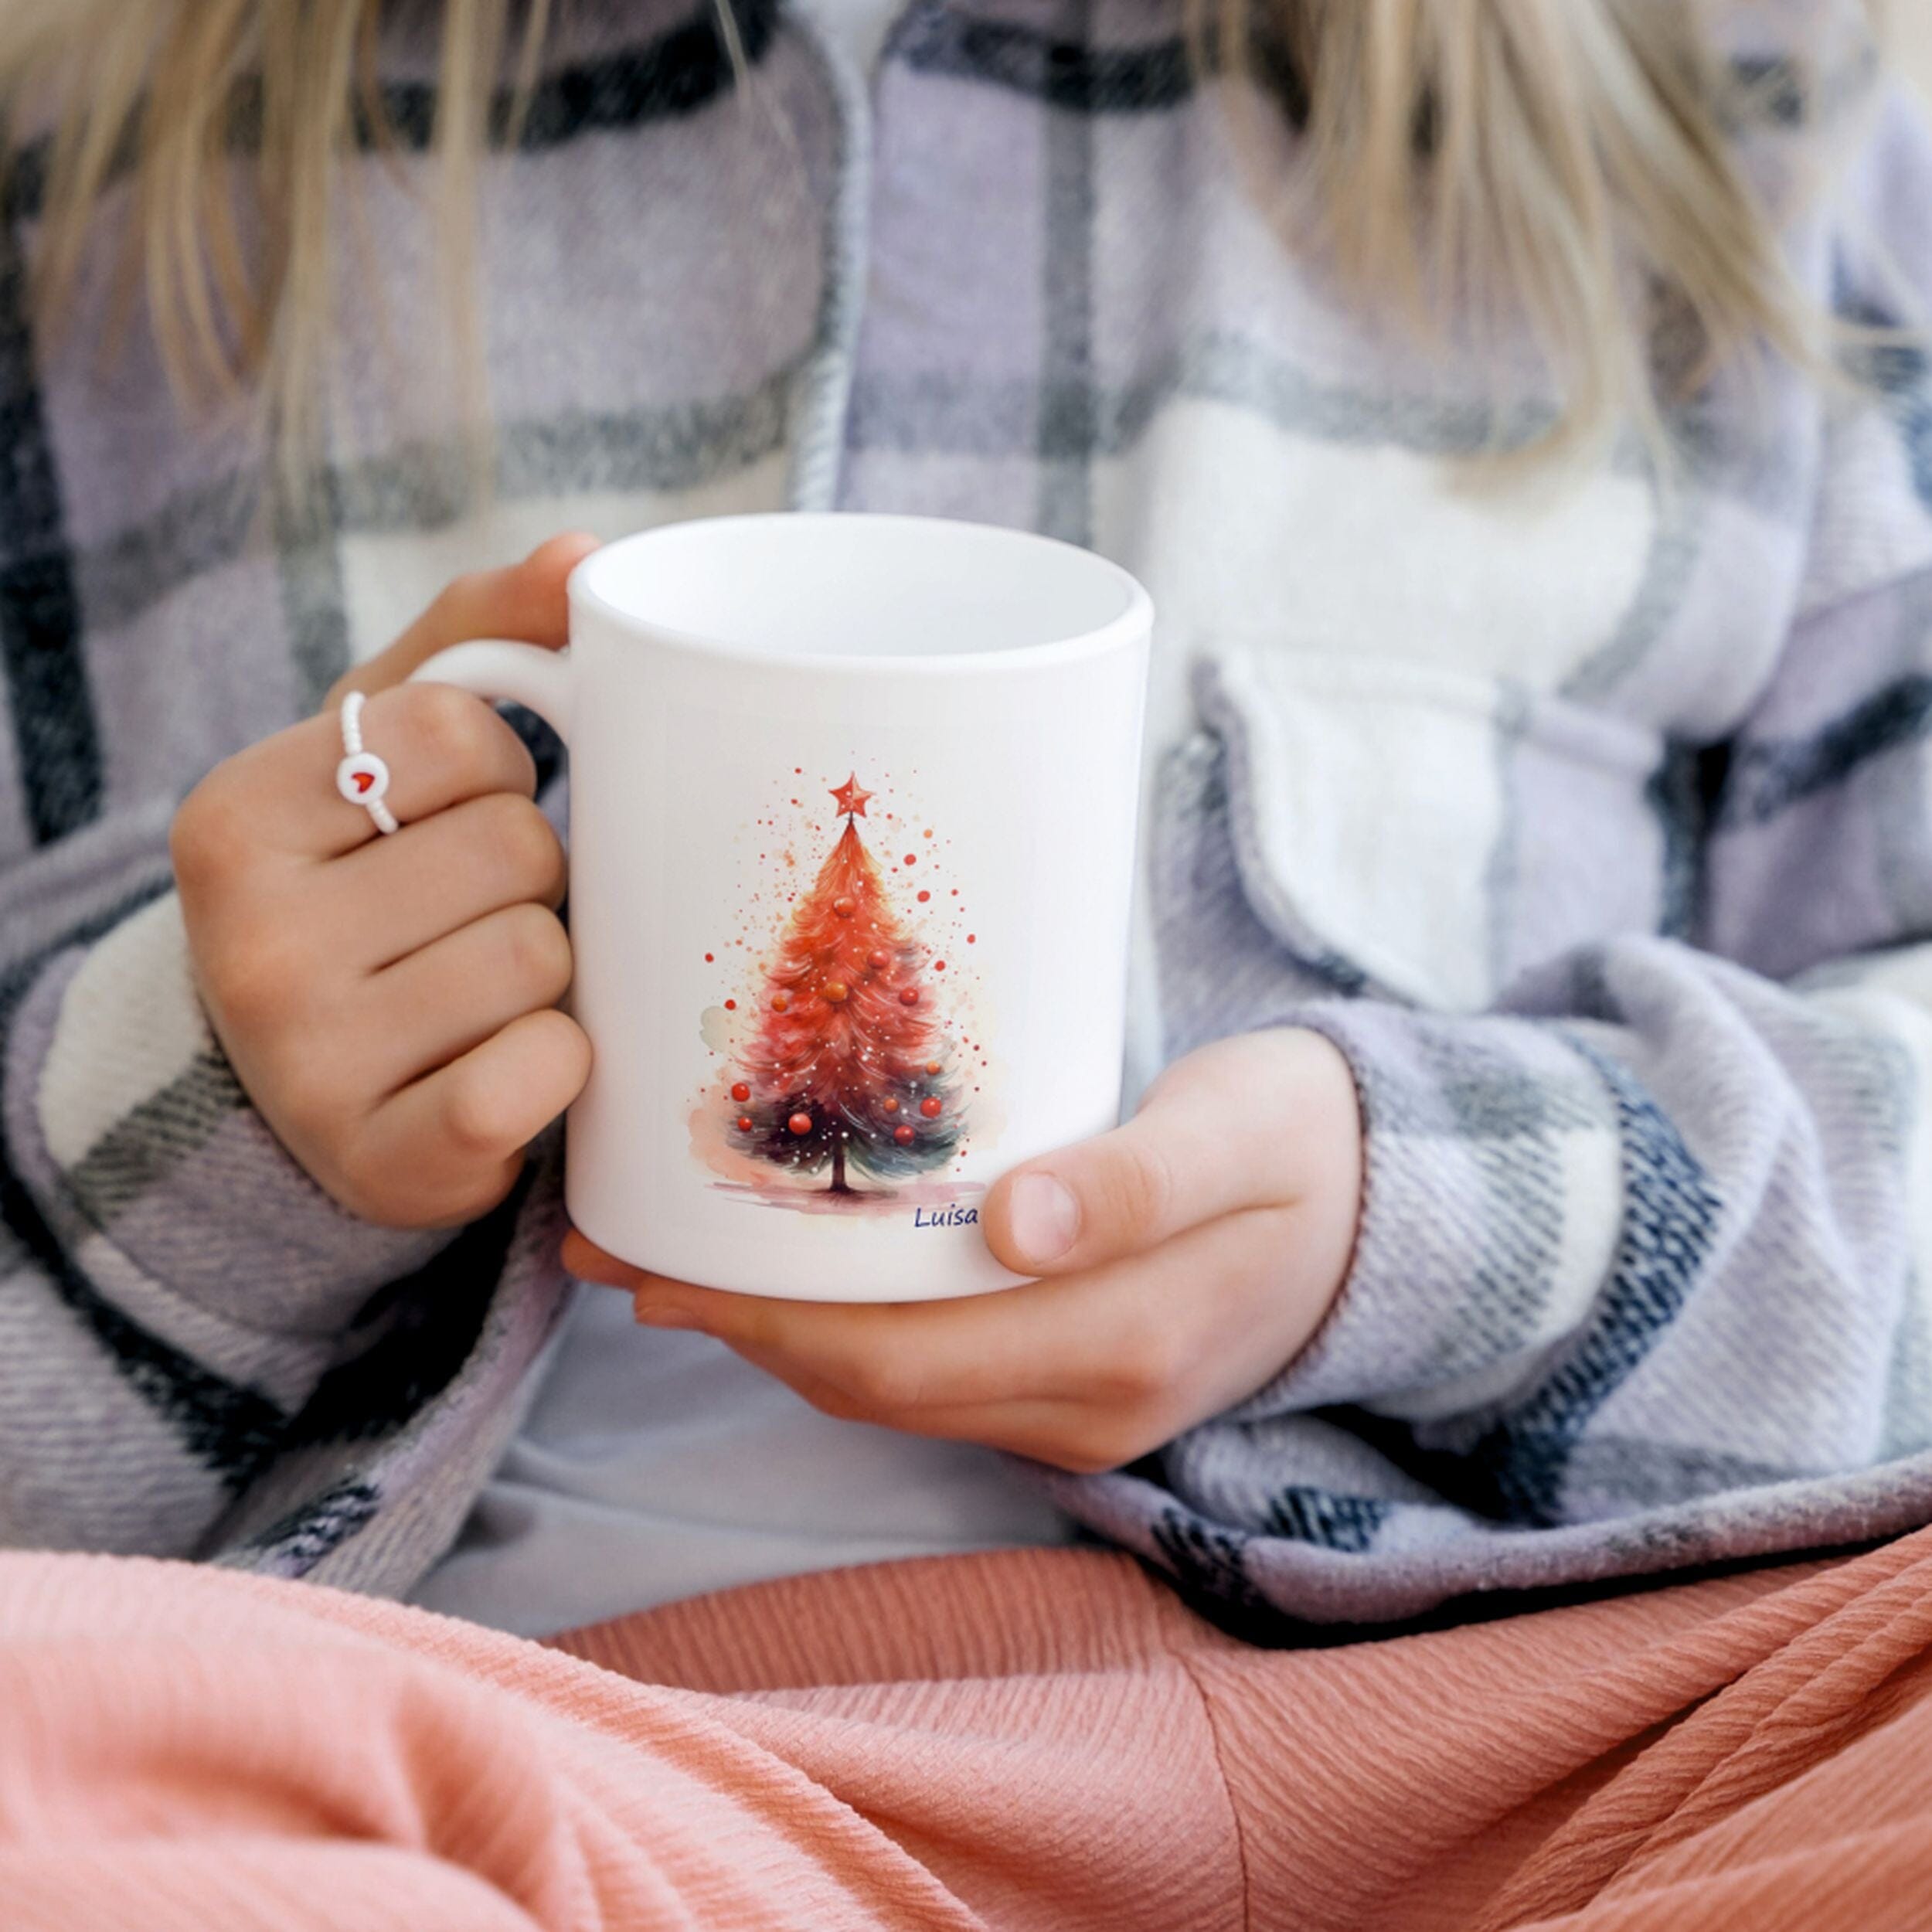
x=1188 y=1256
x=388 y=1003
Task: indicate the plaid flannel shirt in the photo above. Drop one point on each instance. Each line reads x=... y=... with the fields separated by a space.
x=1589 y=817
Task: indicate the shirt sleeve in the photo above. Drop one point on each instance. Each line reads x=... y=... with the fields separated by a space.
x=172 y=1285
x=1644 y=1273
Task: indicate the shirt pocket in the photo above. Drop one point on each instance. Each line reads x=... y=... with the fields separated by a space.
x=1432 y=834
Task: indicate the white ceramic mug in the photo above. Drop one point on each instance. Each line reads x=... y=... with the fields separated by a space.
x=852 y=809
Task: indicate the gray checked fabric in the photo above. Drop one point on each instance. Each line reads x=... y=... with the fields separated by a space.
x=1589 y=816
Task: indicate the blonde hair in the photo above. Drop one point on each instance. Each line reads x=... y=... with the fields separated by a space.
x=163 y=88
x=1524 y=155
x=1532 y=161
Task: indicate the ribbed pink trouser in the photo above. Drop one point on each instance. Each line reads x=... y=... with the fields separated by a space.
x=1033 y=1739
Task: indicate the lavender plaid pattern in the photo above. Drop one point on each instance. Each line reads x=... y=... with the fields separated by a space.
x=1590 y=821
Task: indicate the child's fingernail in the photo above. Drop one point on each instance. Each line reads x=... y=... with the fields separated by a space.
x=665 y=1314
x=1046 y=1218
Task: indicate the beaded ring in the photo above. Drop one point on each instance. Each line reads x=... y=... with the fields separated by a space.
x=361 y=777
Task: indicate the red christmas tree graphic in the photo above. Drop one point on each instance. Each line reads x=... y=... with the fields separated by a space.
x=848 y=1068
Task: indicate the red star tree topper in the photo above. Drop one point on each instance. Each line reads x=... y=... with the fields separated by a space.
x=848 y=1068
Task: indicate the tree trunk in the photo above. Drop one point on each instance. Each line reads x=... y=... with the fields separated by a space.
x=838 y=1167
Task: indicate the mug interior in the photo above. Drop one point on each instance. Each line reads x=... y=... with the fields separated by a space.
x=848 y=585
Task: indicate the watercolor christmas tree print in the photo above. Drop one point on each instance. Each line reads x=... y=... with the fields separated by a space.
x=847 y=1077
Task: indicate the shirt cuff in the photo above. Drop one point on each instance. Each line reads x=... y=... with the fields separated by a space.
x=159 y=1180
x=1492 y=1201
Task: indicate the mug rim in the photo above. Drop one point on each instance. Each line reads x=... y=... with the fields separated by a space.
x=1135 y=619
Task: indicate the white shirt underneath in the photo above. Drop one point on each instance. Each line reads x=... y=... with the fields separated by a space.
x=656 y=1464
x=859 y=26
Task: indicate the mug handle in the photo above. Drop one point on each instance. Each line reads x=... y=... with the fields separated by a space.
x=523 y=674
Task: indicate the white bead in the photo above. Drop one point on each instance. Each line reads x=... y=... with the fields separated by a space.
x=362 y=778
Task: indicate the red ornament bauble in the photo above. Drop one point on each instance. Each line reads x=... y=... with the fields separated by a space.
x=929 y=1106
x=800 y=1124
x=836 y=990
x=892 y=1106
x=740 y=1091
x=744 y=1123
x=879 y=959
x=844 y=907
x=781 y=1002
x=910 y=997
x=932 y=1066
x=904 y=1135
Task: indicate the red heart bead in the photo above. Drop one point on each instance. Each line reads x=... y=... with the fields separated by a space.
x=364 y=780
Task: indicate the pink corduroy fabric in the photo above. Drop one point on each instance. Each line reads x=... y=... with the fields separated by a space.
x=1037 y=1739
